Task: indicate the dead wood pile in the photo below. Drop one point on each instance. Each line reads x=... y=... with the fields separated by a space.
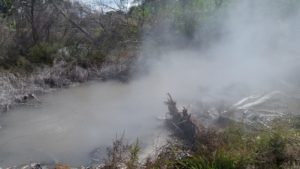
x=184 y=124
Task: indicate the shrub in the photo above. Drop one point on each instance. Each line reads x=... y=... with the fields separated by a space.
x=221 y=161
x=24 y=64
x=122 y=154
x=241 y=147
x=42 y=53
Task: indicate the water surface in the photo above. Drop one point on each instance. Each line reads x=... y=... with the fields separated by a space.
x=70 y=123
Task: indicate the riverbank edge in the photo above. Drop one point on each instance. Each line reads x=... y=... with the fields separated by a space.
x=18 y=88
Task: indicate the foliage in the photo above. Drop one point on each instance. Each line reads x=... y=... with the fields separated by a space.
x=133 y=158
x=32 y=24
x=197 y=162
x=122 y=154
x=42 y=53
x=5 y=6
x=34 y=31
x=238 y=147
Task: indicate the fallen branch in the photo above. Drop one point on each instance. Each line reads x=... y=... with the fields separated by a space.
x=87 y=34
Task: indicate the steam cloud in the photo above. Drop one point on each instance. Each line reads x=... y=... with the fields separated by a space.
x=255 y=50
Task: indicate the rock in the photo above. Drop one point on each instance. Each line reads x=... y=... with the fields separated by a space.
x=36 y=166
x=31 y=166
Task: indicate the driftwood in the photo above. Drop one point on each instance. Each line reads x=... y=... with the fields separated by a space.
x=184 y=124
x=191 y=130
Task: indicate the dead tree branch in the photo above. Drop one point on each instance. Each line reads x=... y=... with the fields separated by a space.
x=86 y=33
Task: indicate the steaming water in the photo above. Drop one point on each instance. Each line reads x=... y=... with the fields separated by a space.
x=258 y=52
x=69 y=124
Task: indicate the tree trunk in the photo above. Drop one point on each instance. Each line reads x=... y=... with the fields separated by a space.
x=33 y=26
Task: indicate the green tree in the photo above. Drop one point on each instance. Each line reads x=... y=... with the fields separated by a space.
x=5 y=6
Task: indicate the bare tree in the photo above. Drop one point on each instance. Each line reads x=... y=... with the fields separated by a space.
x=87 y=34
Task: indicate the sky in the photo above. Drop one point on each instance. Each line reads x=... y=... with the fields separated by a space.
x=111 y=3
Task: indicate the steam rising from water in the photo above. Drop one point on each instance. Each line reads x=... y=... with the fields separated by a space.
x=256 y=48
x=256 y=51
x=72 y=123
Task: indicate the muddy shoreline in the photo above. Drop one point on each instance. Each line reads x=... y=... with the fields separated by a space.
x=17 y=88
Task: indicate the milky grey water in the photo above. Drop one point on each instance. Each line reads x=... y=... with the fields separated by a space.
x=70 y=123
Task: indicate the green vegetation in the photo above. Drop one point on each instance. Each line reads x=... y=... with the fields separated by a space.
x=5 y=6
x=240 y=147
x=220 y=162
x=36 y=33
x=236 y=147
x=122 y=154
x=42 y=53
